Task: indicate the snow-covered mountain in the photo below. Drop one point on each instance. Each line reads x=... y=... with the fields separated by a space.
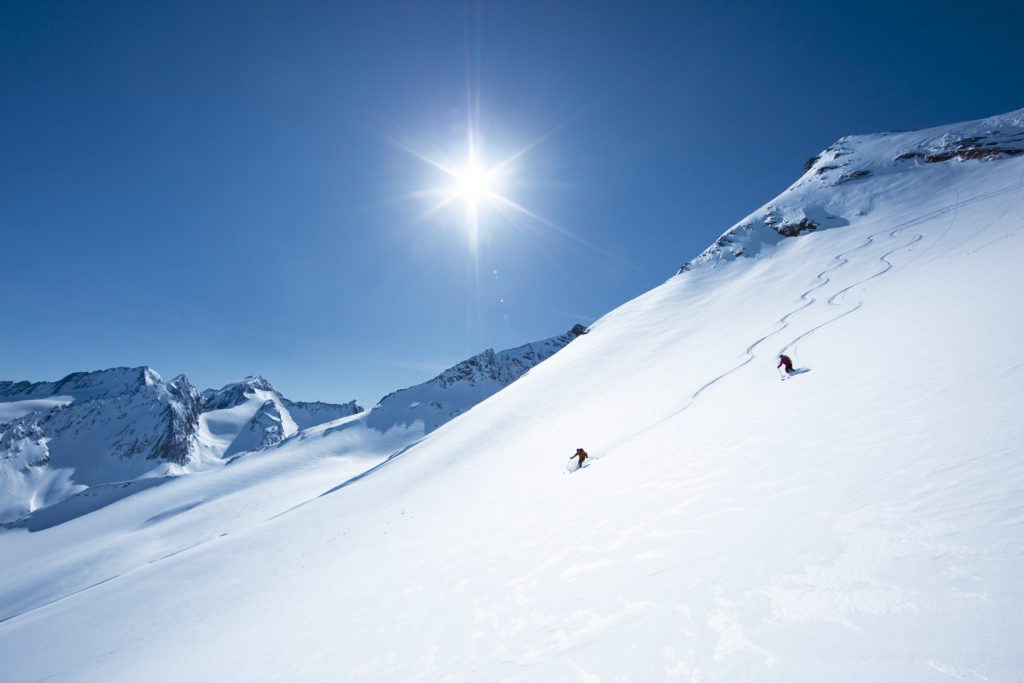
x=861 y=521
x=464 y=385
x=251 y=414
x=91 y=430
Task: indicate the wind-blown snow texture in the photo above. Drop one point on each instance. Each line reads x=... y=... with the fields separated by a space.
x=860 y=522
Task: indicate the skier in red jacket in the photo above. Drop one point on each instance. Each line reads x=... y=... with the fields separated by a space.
x=786 y=361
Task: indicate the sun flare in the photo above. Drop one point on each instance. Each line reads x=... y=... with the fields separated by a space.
x=474 y=186
x=473 y=182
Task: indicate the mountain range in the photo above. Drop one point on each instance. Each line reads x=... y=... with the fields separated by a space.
x=70 y=446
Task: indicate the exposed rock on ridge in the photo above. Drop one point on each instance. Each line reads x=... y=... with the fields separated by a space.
x=850 y=165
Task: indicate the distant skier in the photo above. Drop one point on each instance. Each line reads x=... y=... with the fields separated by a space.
x=581 y=454
x=786 y=361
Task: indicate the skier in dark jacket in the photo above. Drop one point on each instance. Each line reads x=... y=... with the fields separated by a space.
x=581 y=454
x=786 y=361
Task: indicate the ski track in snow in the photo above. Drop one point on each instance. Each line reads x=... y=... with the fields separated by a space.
x=96 y=584
x=884 y=258
x=59 y=598
x=839 y=260
x=833 y=300
x=842 y=260
x=1015 y=231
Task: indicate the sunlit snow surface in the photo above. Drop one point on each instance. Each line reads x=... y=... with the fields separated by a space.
x=860 y=522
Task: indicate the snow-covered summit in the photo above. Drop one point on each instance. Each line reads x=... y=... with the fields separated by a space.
x=235 y=393
x=304 y=414
x=832 y=192
x=250 y=415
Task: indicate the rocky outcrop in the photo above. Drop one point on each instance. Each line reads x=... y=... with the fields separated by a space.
x=994 y=143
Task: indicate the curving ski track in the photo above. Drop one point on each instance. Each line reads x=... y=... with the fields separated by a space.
x=839 y=260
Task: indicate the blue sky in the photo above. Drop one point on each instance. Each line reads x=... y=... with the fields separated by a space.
x=227 y=188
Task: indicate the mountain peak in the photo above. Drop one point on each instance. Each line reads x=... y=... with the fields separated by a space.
x=235 y=393
x=257 y=383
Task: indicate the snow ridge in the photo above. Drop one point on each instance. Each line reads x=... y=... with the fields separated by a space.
x=840 y=169
x=463 y=385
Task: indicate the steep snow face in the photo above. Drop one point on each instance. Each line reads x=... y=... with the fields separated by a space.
x=464 y=385
x=860 y=521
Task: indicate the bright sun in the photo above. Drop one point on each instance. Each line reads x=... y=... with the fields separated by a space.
x=473 y=182
x=478 y=187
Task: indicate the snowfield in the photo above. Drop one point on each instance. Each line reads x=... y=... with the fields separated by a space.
x=863 y=521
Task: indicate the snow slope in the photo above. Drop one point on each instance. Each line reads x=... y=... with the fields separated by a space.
x=861 y=521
